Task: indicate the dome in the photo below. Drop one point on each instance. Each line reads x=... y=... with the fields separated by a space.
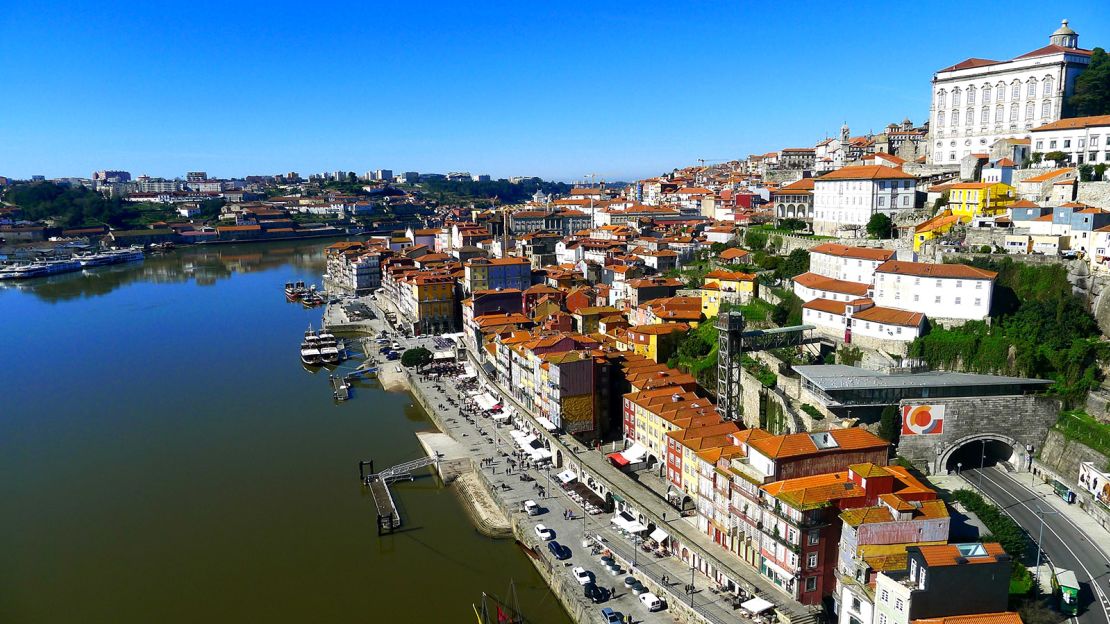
x=1064 y=29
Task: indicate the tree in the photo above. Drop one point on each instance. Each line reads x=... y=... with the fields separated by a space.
x=1100 y=171
x=792 y=224
x=888 y=423
x=1057 y=157
x=755 y=240
x=418 y=357
x=1092 y=88
x=795 y=264
x=880 y=226
x=694 y=346
x=1086 y=172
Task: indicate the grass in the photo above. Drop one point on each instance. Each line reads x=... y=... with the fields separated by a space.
x=1083 y=428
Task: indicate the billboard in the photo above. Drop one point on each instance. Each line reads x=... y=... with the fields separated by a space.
x=922 y=419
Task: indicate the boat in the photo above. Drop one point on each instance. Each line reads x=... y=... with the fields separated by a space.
x=23 y=271
x=111 y=256
x=311 y=298
x=328 y=346
x=294 y=290
x=310 y=348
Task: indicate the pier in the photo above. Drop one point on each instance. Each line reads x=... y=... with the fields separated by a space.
x=340 y=388
x=389 y=517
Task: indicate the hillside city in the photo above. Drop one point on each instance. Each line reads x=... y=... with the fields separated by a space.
x=789 y=373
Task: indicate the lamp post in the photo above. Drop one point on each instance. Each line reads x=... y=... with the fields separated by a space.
x=1032 y=477
x=958 y=466
x=691 y=580
x=1040 y=534
x=982 y=463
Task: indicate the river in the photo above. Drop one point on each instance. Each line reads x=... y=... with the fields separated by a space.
x=164 y=457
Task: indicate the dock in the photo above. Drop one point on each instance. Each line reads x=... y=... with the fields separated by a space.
x=388 y=515
x=340 y=388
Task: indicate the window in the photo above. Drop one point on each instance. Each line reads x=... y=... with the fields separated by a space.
x=856 y=604
x=884 y=596
x=971 y=95
x=1082 y=143
x=811 y=583
x=916 y=297
x=899 y=604
x=1067 y=143
x=1031 y=88
x=1015 y=90
x=814 y=538
x=1013 y=111
x=955 y=97
x=978 y=302
x=882 y=201
x=1052 y=144
x=957 y=301
x=882 y=618
x=899 y=330
x=1048 y=86
x=941 y=98
x=937 y=300
x=811 y=560
x=1040 y=144
x=985 y=117
x=998 y=113
x=1094 y=140
x=978 y=285
x=939 y=283
x=969 y=116
x=987 y=94
x=1029 y=110
x=955 y=118
x=1046 y=109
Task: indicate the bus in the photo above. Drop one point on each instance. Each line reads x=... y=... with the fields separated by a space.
x=1065 y=582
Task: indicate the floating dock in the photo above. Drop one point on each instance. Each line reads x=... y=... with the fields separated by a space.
x=389 y=517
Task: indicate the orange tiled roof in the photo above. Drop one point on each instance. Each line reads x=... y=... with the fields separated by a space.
x=949 y=554
x=1003 y=617
x=925 y=269
x=801 y=444
x=1048 y=175
x=866 y=172
x=814 y=281
x=860 y=253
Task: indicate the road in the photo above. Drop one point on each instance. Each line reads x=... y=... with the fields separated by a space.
x=1063 y=543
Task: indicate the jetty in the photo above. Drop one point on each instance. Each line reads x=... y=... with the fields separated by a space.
x=340 y=387
x=389 y=517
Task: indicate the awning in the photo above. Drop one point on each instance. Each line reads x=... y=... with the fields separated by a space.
x=756 y=605
x=635 y=527
x=658 y=535
x=635 y=453
x=623 y=520
x=567 y=476
x=617 y=459
x=502 y=417
x=485 y=401
x=541 y=454
x=545 y=423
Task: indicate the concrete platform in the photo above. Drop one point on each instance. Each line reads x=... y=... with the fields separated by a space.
x=454 y=457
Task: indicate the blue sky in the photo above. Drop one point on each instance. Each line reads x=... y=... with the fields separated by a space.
x=554 y=89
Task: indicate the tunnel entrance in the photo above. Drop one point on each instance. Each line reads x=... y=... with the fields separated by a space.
x=979 y=452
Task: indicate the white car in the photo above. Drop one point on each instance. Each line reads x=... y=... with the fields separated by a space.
x=544 y=533
x=652 y=602
x=582 y=576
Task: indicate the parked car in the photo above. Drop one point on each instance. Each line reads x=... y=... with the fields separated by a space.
x=652 y=602
x=562 y=553
x=384 y=350
x=396 y=346
x=393 y=355
x=611 y=616
x=532 y=508
x=595 y=593
x=544 y=533
x=582 y=576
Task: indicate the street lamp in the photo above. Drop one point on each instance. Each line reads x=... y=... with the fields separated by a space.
x=958 y=466
x=691 y=580
x=982 y=463
x=1040 y=534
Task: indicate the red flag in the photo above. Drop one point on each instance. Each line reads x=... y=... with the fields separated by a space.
x=501 y=615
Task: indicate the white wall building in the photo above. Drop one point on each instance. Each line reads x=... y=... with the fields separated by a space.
x=1083 y=139
x=940 y=291
x=979 y=101
x=845 y=200
x=852 y=264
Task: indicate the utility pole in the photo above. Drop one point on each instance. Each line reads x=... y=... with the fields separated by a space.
x=982 y=463
x=1040 y=535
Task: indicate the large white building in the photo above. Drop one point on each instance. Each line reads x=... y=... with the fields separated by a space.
x=979 y=101
x=845 y=200
x=940 y=291
x=1083 y=139
x=853 y=264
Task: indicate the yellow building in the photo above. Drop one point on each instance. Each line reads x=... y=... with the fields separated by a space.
x=656 y=342
x=968 y=200
x=429 y=303
x=710 y=299
x=933 y=228
x=735 y=286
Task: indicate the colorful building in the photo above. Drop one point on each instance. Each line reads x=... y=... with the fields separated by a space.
x=968 y=200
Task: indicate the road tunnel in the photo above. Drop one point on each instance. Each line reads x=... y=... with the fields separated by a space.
x=979 y=452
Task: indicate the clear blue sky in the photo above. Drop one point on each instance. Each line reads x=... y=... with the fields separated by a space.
x=552 y=89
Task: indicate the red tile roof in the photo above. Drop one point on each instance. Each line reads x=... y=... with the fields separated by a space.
x=924 y=269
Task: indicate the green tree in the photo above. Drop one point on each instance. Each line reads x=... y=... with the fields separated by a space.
x=694 y=346
x=1092 y=88
x=1086 y=172
x=1100 y=171
x=1057 y=157
x=796 y=263
x=788 y=311
x=792 y=224
x=418 y=357
x=880 y=226
x=888 y=423
x=755 y=240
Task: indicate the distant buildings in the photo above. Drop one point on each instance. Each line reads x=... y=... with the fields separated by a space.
x=1081 y=139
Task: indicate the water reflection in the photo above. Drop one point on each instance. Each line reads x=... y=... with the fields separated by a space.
x=205 y=265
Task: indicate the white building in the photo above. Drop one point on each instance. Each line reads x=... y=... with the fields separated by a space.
x=940 y=291
x=845 y=200
x=979 y=101
x=1083 y=139
x=852 y=264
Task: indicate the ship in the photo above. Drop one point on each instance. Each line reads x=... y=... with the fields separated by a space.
x=502 y=611
x=111 y=256
x=310 y=348
x=294 y=290
x=328 y=346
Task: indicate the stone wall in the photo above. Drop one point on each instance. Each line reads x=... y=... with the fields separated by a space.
x=1063 y=455
x=1096 y=194
x=1019 y=420
x=783 y=176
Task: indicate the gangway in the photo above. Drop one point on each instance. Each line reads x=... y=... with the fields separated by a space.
x=389 y=517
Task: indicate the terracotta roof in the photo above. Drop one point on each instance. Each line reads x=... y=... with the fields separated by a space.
x=924 y=269
x=831 y=306
x=1053 y=49
x=801 y=444
x=1023 y=203
x=866 y=172
x=889 y=316
x=732 y=253
x=730 y=276
x=1075 y=122
x=1048 y=175
x=860 y=253
x=970 y=63
x=950 y=555
x=1004 y=617
x=814 y=281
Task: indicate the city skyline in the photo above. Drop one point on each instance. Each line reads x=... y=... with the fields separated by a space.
x=555 y=94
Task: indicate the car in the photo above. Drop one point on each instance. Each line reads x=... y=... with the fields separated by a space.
x=544 y=533
x=560 y=552
x=384 y=350
x=396 y=346
x=652 y=602
x=393 y=355
x=532 y=508
x=583 y=576
x=611 y=616
x=595 y=593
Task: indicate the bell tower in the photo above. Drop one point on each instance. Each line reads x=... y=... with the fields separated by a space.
x=1064 y=36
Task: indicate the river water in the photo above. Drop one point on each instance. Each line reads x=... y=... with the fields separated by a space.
x=164 y=457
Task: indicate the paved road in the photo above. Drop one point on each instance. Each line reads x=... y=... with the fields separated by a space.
x=1063 y=543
